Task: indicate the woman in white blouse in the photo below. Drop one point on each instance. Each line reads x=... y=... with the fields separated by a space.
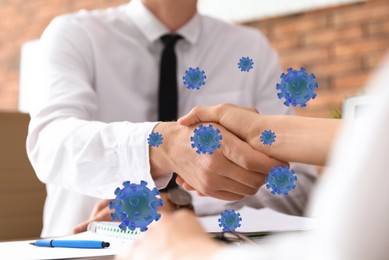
x=352 y=199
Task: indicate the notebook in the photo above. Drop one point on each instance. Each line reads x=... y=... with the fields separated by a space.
x=111 y=229
x=259 y=221
x=253 y=221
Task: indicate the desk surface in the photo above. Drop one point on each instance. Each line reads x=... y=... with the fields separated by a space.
x=23 y=250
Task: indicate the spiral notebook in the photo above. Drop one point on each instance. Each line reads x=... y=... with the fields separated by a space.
x=111 y=229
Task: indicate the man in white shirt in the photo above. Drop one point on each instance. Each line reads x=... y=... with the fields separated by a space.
x=101 y=79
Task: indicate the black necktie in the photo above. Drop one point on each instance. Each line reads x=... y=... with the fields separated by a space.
x=168 y=97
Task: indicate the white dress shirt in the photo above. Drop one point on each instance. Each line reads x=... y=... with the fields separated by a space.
x=101 y=71
x=351 y=199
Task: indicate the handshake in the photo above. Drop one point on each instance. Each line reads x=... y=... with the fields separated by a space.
x=235 y=170
x=240 y=166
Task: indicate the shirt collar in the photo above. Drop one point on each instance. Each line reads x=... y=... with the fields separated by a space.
x=152 y=28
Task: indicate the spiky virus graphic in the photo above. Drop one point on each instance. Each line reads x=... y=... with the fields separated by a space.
x=194 y=78
x=268 y=137
x=281 y=180
x=297 y=87
x=206 y=139
x=155 y=139
x=245 y=64
x=135 y=206
x=229 y=220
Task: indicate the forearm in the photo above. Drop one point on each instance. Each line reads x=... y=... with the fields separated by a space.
x=160 y=158
x=89 y=157
x=298 y=139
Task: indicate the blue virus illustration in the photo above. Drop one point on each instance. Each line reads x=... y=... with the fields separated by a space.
x=281 y=180
x=268 y=137
x=206 y=139
x=229 y=220
x=245 y=64
x=135 y=206
x=194 y=78
x=297 y=87
x=155 y=139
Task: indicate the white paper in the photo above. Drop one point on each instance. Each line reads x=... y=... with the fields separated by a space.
x=263 y=220
x=23 y=250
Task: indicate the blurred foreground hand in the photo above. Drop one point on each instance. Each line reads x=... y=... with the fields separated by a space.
x=176 y=235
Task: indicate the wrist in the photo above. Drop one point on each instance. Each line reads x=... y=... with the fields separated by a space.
x=266 y=123
x=160 y=157
x=254 y=132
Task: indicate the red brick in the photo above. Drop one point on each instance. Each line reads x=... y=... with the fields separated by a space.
x=368 y=11
x=371 y=61
x=299 y=26
x=360 y=47
x=333 y=68
x=354 y=81
x=305 y=56
x=263 y=26
x=285 y=43
x=379 y=28
x=331 y=35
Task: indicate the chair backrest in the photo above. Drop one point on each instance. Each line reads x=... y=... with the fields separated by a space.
x=22 y=194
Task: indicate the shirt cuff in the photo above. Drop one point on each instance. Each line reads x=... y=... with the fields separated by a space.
x=135 y=157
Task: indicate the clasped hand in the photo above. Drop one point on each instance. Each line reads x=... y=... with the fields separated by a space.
x=242 y=147
x=235 y=170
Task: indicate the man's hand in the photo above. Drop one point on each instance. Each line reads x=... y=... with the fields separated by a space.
x=173 y=236
x=101 y=212
x=239 y=120
x=234 y=171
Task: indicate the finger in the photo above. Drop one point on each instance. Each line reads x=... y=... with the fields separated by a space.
x=103 y=215
x=226 y=195
x=179 y=180
x=212 y=113
x=199 y=114
x=251 y=109
x=187 y=187
x=245 y=156
x=233 y=185
x=81 y=227
x=201 y=194
x=99 y=206
x=239 y=121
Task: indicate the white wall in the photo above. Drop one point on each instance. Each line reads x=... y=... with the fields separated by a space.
x=248 y=10
x=30 y=95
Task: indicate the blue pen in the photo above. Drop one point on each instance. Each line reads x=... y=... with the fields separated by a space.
x=71 y=243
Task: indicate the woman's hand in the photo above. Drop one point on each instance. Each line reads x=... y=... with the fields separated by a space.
x=176 y=235
x=239 y=120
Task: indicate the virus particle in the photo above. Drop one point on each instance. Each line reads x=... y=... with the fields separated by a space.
x=206 y=139
x=229 y=220
x=245 y=64
x=135 y=206
x=297 y=87
x=281 y=180
x=194 y=78
x=155 y=139
x=268 y=137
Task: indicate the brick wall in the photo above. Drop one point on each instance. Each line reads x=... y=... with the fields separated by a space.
x=22 y=21
x=341 y=45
